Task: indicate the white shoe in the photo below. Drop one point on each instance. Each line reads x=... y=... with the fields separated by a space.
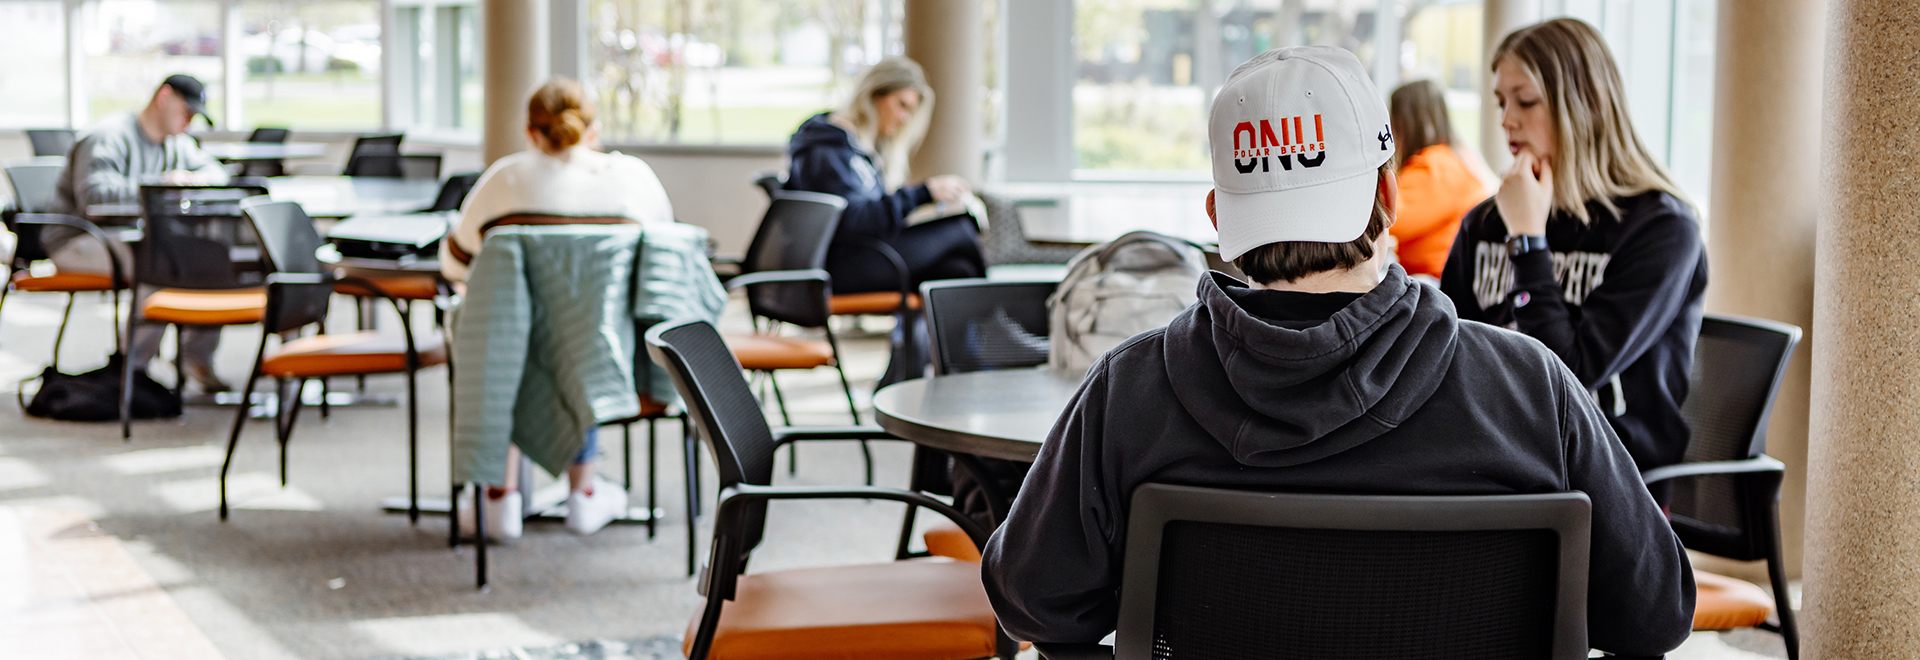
x=587 y=514
x=503 y=516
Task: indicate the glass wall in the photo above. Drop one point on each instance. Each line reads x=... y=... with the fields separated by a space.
x=33 y=80
x=1442 y=44
x=728 y=71
x=1145 y=70
x=132 y=45
x=312 y=65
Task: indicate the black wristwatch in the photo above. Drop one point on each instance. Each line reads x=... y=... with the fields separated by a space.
x=1521 y=244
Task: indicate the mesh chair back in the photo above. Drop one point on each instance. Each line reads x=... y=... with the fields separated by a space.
x=793 y=235
x=396 y=166
x=1234 y=574
x=288 y=243
x=722 y=406
x=1737 y=367
x=35 y=185
x=370 y=145
x=274 y=135
x=454 y=192
x=187 y=236
x=50 y=141
x=978 y=325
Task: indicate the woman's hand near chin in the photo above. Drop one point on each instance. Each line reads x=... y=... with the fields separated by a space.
x=1526 y=195
x=948 y=188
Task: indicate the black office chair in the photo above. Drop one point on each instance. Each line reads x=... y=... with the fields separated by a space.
x=271 y=135
x=1215 y=573
x=34 y=194
x=396 y=166
x=1726 y=495
x=371 y=145
x=186 y=250
x=263 y=168
x=453 y=192
x=974 y=325
x=51 y=141
x=915 y=595
x=298 y=292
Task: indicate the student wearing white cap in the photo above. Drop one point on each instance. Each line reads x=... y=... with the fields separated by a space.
x=1330 y=372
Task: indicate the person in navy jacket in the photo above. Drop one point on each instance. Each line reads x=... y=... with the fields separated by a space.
x=860 y=152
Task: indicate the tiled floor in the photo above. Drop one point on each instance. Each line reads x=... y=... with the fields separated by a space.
x=121 y=555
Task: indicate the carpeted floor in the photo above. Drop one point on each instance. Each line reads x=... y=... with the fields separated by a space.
x=317 y=571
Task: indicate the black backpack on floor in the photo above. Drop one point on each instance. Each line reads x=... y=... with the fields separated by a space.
x=94 y=396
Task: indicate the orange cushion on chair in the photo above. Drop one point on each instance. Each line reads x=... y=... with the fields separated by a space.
x=204 y=307
x=929 y=609
x=65 y=282
x=876 y=302
x=1723 y=603
x=948 y=540
x=355 y=353
x=765 y=352
x=404 y=287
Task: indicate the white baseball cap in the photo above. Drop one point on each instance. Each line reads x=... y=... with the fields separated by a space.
x=1297 y=136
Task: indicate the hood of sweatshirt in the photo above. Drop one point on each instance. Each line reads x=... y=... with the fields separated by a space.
x=1276 y=396
x=817 y=132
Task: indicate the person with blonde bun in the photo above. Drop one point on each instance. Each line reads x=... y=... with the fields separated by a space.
x=1589 y=246
x=563 y=173
x=860 y=152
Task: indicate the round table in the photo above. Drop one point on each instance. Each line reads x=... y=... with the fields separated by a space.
x=996 y=414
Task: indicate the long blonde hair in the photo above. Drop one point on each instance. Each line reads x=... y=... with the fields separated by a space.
x=1599 y=156
x=858 y=114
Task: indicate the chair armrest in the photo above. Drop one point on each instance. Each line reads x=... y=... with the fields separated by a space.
x=797 y=433
x=771 y=276
x=741 y=495
x=894 y=259
x=1056 y=651
x=1762 y=463
x=93 y=230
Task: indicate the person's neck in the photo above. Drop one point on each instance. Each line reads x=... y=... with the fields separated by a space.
x=1358 y=279
x=149 y=121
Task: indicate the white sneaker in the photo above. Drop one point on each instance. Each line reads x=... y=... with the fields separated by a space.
x=503 y=516
x=587 y=514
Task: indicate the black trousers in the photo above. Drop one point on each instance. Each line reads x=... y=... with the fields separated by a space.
x=944 y=249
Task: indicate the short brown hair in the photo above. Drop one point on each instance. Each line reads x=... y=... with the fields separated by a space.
x=560 y=111
x=1291 y=260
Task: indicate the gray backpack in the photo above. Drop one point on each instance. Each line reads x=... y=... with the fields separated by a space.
x=1114 y=291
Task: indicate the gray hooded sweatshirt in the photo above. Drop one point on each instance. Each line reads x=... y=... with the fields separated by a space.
x=1379 y=393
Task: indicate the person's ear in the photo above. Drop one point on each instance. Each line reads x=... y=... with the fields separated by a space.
x=1210 y=215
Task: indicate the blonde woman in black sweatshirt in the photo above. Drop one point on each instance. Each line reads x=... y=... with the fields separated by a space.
x=1589 y=246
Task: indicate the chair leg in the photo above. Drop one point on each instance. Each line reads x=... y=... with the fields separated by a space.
x=906 y=534
x=293 y=416
x=793 y=451
x=179 y=362
x=413 y=443
x=126 y=375
x=1782 y=597
x=626 y=456
x=480 y=536
x=853 y=408
x=691 y=447
x=239 y=422
x=61 y=334
x=653 y=456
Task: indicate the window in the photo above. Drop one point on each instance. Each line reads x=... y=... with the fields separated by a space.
x=439 y=78
x=311 y=65
x=132 y=45
x=1146 y=70
x=1443 y=43
x=728 y=71
x=34 y=79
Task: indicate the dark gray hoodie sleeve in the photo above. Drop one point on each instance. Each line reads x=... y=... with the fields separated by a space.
x=1640 y=587
x=1053 y=571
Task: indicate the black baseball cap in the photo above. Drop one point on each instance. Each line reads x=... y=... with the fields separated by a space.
x=191 y=91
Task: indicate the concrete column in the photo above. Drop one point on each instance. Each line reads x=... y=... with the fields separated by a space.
x=514 y=63
x=947 y=38
x=1863 y=509
x=1760 y=235
x=1501 y=17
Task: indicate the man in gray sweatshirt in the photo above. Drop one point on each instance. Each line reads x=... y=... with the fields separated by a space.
x=1331 y=372
x=107 y=165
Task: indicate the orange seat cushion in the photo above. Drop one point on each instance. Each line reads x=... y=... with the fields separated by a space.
x=875 y=302
x=948 y=540
x=649 y=408
x=1723 y=603
x=196 y=307
x=766 y=352
x=405 y=287
x=354 y=353
x=65 y=282
x=930 y=609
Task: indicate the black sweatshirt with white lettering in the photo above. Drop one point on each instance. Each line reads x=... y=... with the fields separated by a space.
x=1617 y=298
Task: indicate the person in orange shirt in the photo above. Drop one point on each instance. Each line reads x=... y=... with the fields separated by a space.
x=1437 y=187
